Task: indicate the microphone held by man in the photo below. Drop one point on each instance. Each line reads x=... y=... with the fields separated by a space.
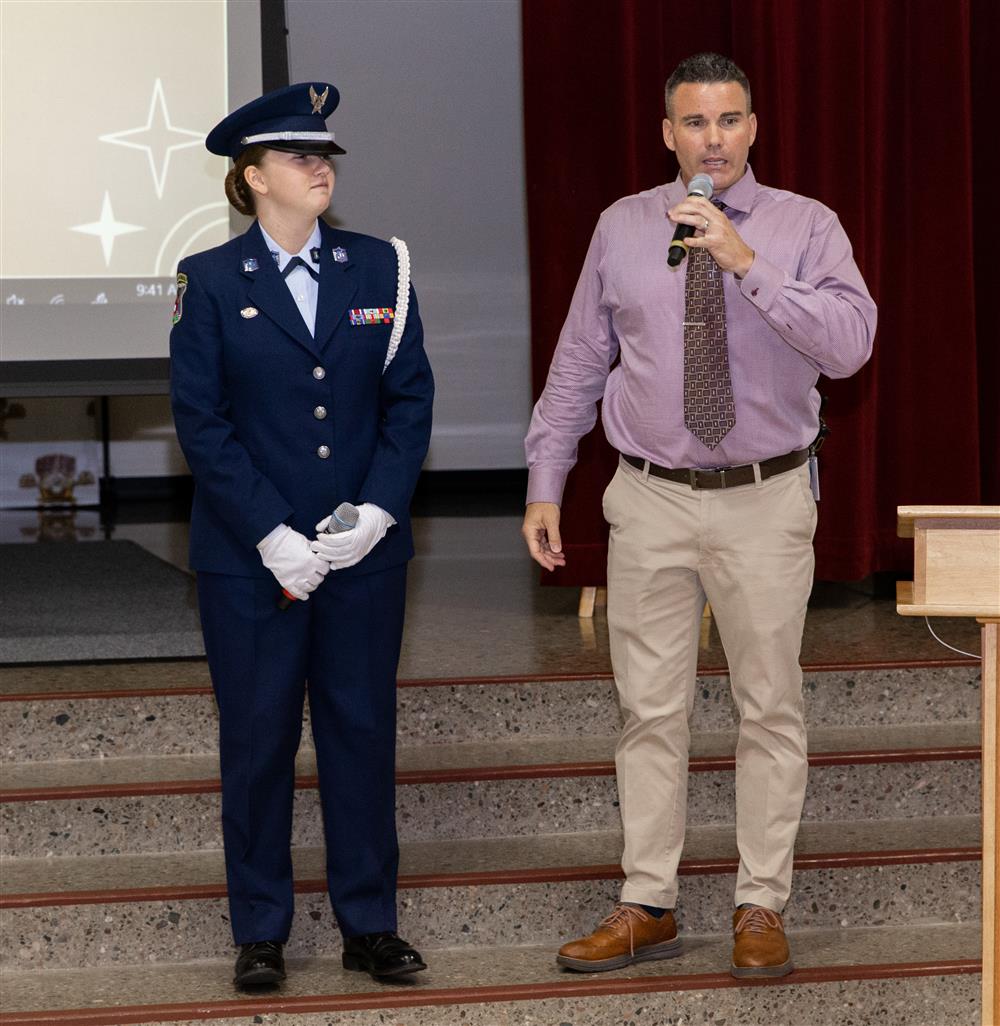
x=700 y=185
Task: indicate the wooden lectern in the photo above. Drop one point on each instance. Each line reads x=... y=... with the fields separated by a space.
x=956 y=556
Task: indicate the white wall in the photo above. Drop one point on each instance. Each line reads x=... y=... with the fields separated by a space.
x=430 y=116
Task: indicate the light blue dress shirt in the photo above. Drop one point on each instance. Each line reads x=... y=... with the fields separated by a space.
x=303 y=287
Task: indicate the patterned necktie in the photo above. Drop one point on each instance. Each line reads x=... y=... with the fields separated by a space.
x=709 y=411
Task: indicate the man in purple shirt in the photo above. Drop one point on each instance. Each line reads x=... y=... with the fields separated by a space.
x=713 y=407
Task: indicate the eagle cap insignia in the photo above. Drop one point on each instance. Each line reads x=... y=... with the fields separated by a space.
x=318 y=99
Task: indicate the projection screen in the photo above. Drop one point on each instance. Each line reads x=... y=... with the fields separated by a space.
x=104 y=179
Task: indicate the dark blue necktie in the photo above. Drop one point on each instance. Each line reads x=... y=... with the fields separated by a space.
x=297 y=261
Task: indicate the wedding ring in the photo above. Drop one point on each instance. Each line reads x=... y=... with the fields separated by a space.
x=705 y=229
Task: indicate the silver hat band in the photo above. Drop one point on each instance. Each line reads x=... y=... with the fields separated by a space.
x=287 y=137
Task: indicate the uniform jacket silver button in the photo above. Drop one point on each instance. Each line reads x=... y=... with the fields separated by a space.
x=323 y=452
x=320 y=412
x=318 y=373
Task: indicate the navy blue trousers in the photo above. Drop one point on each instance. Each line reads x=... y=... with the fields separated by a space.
x=342 y=645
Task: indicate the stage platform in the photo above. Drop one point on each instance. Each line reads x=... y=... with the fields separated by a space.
x=475 y=609
x=113 y=890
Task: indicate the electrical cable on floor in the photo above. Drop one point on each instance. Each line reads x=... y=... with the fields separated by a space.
x=971 y=655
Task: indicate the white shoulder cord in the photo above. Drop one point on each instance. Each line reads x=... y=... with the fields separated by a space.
x=402 y=299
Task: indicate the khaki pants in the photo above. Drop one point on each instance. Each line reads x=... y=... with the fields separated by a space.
x=748 y=550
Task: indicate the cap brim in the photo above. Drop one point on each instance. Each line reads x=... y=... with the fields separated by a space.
x=322 y=149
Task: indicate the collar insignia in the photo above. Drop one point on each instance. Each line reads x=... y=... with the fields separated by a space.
x=250 y=265
x=314 y=254
x=340 y=254
x=318 y=99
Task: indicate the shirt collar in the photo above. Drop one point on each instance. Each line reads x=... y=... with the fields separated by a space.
x=739 y=196
x=281 y=256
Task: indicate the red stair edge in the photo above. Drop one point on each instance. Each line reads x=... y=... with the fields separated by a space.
x=526 y=771
x=506 y=877
x=517 y=678
x=415 y=998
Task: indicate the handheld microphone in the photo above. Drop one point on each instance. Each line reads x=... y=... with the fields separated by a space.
x=344 y=518
x=700 y=185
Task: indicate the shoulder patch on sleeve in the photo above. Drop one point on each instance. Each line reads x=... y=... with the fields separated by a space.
x=182 y=284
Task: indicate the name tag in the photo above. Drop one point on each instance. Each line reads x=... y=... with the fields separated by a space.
x=372 y=315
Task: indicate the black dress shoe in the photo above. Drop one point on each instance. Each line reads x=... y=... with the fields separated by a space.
x=381 y=955
x=259 y=964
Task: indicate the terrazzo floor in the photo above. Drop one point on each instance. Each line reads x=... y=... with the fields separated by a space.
x=476 y=608
x=470 y=967
x=471 y=855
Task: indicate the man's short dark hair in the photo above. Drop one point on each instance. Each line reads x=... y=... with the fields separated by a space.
x=705 y=69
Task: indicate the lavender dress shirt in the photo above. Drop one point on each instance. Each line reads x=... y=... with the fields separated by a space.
x=801 y=311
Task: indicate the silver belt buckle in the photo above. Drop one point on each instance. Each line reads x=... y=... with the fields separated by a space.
x=693 y=477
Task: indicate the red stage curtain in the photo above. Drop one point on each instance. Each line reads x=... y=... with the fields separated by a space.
x=880 y=110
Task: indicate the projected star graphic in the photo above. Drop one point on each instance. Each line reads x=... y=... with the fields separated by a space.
x=153 y=138
x=143 y=192
x=107 y=229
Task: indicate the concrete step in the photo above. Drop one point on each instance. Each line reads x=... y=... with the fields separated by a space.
x=125 y=677
x=907 y=975
x=151 y=676
x=174 y=722
x=542 y=913
x=711 y=849
x=480 y=760
x=67 y=912
x=570 y=790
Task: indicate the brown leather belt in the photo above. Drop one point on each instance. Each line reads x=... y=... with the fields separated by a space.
x=728 y=477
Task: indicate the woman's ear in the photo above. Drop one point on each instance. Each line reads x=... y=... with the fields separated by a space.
x=253 y=177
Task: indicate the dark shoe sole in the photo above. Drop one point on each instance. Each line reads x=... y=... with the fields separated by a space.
x=652 y=953
x=259 y=978
x=358 y=965
x=750 y=972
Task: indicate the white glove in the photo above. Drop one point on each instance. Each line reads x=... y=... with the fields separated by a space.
x=287 y=555
x=349 y=547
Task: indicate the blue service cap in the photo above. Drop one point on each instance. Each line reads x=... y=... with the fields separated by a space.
x=292 y=119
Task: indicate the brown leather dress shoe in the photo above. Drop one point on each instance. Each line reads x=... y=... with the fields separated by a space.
x=760 y=947
x=628 y=935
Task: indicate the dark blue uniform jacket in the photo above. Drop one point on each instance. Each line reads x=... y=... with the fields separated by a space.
x=249 y=387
